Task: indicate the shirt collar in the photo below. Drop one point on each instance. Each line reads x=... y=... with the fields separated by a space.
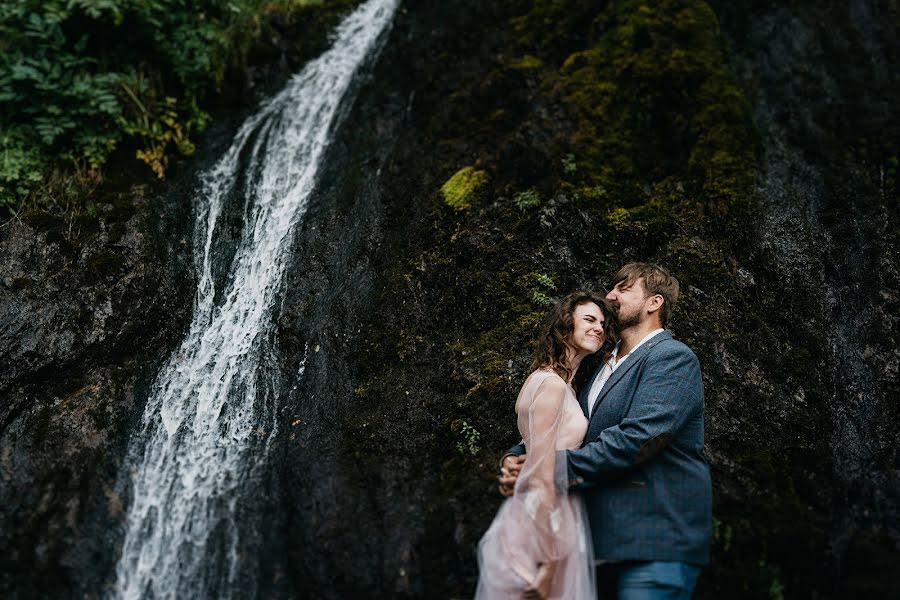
x=615 y=352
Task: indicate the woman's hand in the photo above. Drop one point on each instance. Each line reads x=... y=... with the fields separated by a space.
x=540 y=589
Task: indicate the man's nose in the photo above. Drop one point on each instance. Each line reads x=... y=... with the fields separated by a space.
x=611 y=296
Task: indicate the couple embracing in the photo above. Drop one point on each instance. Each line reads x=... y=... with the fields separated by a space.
x=609 y=494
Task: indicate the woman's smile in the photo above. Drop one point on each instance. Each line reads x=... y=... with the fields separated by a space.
x=587 y=329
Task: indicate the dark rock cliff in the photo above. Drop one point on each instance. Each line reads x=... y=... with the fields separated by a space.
x=88 y=309
x=751 y=147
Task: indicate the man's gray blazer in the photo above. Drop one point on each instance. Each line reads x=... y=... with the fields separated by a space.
x=641 y=468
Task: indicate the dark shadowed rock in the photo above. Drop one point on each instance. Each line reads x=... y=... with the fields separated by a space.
x=750 y=147
x=87 y=310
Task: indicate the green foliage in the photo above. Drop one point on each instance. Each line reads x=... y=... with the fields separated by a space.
x=543 y=280
x=470 y=439
x=161 y=130
x=776 y=590
x=462 y=189
x=81 y=78
x=722 y=534
x=540 y=292
x=21 y=167
x=527 y=200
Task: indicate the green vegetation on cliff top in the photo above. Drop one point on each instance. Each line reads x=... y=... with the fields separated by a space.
x=80 y=79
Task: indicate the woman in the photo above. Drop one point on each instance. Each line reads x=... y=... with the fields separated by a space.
x=538 y=545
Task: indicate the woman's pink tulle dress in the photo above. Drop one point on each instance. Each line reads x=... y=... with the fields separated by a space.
x=541 y=523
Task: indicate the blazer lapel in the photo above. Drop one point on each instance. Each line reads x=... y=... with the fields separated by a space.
x=585 y=390
x=626 y=366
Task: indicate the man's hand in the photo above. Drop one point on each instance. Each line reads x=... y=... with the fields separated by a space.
x=509 y=472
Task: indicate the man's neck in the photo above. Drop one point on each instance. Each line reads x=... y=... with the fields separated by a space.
x=632 y=336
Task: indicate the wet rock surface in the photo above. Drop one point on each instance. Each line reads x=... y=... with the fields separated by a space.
x=789 y=283
x=763 y=175
x=87 y=311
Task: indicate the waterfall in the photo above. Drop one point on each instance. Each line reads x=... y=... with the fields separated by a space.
x=210 y=416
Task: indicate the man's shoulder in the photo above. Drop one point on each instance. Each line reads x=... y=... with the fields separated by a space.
x=667 y=347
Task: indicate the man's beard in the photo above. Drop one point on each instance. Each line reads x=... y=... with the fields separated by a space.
x=628 y=321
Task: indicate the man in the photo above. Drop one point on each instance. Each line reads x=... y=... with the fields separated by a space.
x=641 y=468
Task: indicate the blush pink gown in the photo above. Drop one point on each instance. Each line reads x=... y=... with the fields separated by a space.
x=540 y=523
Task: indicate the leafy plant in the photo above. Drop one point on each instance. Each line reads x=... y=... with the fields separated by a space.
x=471 y=438
x=21 y=167
x=540 y=292
x=82 y=78
x=526 y=200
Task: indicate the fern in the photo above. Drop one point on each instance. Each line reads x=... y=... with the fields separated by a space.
x=74 y=86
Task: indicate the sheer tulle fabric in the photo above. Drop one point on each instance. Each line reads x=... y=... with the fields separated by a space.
x=540 y=523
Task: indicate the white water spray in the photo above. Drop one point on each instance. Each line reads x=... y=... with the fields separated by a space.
x=209 y=417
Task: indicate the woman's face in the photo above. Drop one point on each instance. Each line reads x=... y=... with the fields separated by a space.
x=587 y=333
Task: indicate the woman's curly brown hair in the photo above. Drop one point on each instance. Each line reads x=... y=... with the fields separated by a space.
x=558 y=328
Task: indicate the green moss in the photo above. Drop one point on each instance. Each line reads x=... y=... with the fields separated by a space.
x=653 y=100
x=553 y=26
x=462 y=189
x=527 y=62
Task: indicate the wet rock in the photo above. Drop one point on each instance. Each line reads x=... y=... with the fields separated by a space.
x=78 y=343
x=755 y=161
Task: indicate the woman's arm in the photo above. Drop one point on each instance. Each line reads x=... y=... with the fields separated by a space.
x=536 y=489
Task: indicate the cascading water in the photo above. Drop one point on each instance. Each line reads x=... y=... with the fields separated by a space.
x=210 y=414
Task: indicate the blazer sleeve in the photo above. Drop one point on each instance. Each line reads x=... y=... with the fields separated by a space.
x=517 y=450
x=669 y=394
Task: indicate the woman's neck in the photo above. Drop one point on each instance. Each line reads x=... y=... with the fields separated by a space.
x=574 y=359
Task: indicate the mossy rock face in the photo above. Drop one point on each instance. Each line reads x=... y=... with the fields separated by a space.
x=635 y=127
x=461 y=190
x=527 y=62
x=611 y=132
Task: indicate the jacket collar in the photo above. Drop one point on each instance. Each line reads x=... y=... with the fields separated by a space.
x=630 y=360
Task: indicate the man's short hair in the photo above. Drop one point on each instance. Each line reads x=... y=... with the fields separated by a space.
x=656 y=281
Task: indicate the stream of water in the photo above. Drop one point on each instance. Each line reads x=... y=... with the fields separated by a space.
x=210 y=415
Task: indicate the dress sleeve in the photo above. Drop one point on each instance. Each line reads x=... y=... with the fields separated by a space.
x=542 y=527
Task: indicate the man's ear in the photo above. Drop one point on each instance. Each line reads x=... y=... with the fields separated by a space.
x=656 y=303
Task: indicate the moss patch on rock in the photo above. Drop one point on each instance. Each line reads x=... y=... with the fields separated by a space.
x=461 y=190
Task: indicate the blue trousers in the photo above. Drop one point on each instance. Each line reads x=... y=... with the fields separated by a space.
x=640 y=580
